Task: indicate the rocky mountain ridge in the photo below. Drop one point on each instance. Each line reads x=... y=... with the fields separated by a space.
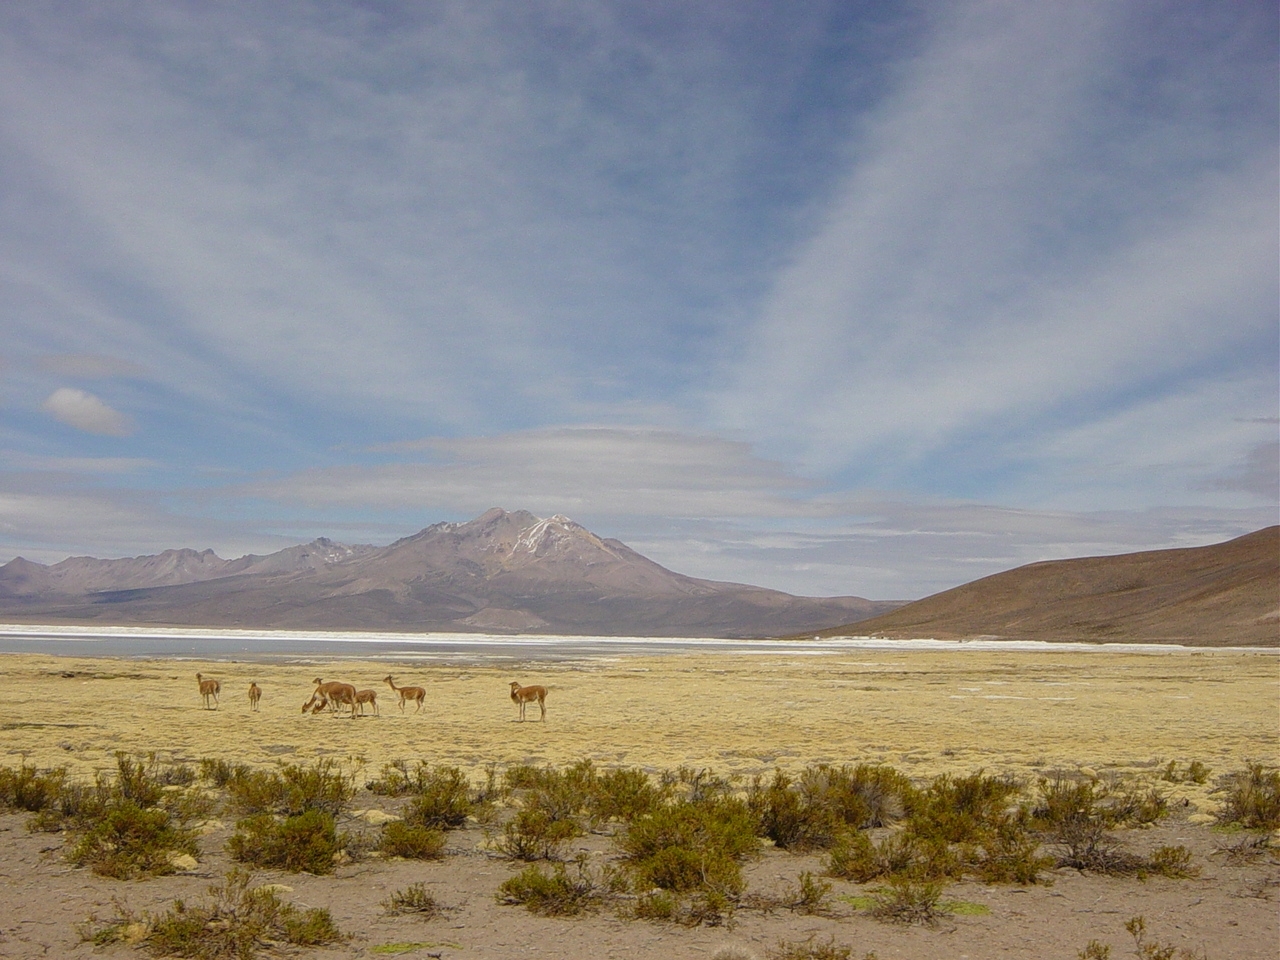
x=503 y=572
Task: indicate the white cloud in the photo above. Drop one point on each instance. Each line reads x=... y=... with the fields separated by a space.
x=589 y=471
x=84 y=411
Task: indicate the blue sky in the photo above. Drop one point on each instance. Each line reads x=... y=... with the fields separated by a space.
x=839 y=298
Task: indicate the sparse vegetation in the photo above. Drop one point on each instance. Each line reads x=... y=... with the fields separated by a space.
x=561 y=893
x=233 y=925
x=907 y=899
x=810 y=949
x=1251 y=798
x=413 y=900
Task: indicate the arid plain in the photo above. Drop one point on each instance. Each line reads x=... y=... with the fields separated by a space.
x=1023 y=713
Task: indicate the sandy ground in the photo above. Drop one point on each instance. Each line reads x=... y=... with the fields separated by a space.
x=924 y=712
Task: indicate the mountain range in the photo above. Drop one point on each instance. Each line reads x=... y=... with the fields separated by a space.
x=503 y=572
x=1225 y=594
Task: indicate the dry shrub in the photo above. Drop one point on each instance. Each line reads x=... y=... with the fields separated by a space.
x=235 y=924
x=414 y=900
x=1251 y=798
x=907 y=899
x=810 y=949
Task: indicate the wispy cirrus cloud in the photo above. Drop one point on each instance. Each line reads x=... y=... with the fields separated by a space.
x=1023 y=244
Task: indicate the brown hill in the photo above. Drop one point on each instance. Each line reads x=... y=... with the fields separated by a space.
x=1227 y=594
x=500 y=573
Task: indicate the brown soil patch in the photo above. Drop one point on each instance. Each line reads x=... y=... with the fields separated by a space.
x=924 y=712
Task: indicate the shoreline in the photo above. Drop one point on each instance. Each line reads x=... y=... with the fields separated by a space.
x=283 y=646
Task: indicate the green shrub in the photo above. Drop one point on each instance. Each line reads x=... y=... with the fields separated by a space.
x=1010 y=855
x=785 y=815
x=411 y=841
x=237 y=922
x=130 y=842
x=255 y=791
x=292 y=790
x=307 y=842
x=533 y=834
x=688 y=845
x=30 y=789
x=556 y=894
x=221 y=772
x=960 y=810
x=855 y=857
x=76 y=806
x=1077 y=816
x=624 y=795
x=441 y=798
x=657 y=905
x=1252 y=798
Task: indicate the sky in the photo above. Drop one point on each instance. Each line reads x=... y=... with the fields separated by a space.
x=841 y=298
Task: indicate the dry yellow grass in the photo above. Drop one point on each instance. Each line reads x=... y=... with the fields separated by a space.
x=925 y=712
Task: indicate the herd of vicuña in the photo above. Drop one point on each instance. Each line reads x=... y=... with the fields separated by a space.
x=333 y=695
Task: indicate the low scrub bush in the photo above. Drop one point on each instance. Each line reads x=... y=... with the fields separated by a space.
x=1077 y=816
x=907 y=899
x=441 y=798
x=1196 y=772
x=855 y=857
x=129 y=841
x=30 y=789
x=219 y=773
x=563 y=892
x=292 y=790
x=691 y=845
x=308 y=842
x=810 y=949
x=411 y=841
x=624 y=795
x=413 y=900
x=809 y=895
x=238 y=921
x=1251 y=798
x=961 y=810
x=533 y=834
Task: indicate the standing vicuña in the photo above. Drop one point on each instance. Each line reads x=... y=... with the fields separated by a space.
x=407 y=693
x=337 y=692
x=209 y=688
x=523 y=695
x=367 y=696
x=255 y=694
